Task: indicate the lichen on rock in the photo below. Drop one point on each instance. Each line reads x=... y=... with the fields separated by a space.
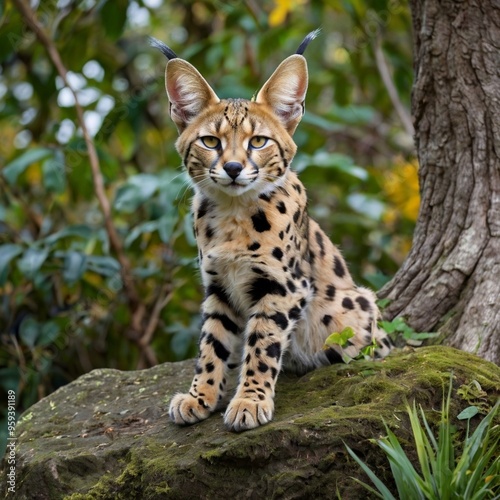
x=107 y=435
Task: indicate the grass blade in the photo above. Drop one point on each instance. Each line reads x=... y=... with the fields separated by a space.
x=385 y=493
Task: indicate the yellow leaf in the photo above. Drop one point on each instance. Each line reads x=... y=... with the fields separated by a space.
x=281 y=9
x=401 y=187
x=34 y=174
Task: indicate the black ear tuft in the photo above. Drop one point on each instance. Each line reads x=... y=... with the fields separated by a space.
x=309 y=38
x=164 y=49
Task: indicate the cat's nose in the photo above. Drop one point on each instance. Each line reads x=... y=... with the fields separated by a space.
x=233 y=169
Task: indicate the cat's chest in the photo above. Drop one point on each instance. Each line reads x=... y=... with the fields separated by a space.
x=239 y=228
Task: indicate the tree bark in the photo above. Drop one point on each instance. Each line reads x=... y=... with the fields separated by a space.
x=450 y=281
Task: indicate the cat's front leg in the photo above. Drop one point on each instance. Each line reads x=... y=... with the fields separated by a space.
x=219 y=354
x=266 y=339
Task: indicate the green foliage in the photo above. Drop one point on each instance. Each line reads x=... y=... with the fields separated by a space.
x=474 y=474
x=339 y=338
x=399 y=330
x=63 y=306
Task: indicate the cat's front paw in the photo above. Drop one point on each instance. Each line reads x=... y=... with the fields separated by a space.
x=243 y=414
x=186 y=409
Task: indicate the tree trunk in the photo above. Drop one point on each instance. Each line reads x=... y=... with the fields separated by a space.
x=450 y=281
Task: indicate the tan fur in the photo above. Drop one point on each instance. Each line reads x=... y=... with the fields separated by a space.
x=276 y=287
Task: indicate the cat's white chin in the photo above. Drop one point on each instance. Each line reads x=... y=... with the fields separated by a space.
x=235 y=189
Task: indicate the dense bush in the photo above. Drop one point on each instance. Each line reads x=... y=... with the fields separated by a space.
x=64 y=308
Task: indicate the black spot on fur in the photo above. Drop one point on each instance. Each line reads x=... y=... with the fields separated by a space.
x=347 y=303
x=277 y=253
x=209 y=367
x=262 y=367
x=260 y=222
x=218 y=291
x=338 y=267
x=227 y=323
x=281 y=207
x=254 y=246
x=258 y=270
x=333 y=356
x=265 y=197
x=274 y=372
x=291 y=286
x=210 y=381
x=198 y=369
x=220 y=351
x=364 y=303
x=209 y=232
x=294 y=313
x=203 y=208
x=280 y=320
x=330 y=292
x=319 y=240
x=265 y=286
x=274 y=350
x=250 y=373
x=297 y=188
x=296 y=215
x=326 y=319
x=281 y=235
x=386 y=342
x=253 y=338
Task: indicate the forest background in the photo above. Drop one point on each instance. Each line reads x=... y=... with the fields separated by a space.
x=84 y=285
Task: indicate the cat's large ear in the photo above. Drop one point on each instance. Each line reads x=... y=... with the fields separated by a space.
x=285 y=91
x=188 y=92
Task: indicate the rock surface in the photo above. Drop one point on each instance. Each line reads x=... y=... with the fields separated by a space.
x=107 y=435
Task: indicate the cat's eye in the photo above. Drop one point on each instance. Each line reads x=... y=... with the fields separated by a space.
x=210 y=142
x=258 y=142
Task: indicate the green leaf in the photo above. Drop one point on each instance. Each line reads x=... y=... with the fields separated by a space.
x=419 y=336
x=135 y=191
x=10 y=377
x=145 y=227
x=32 y=260
x=7 y=252
x=75 y=264
x=321 y=122
x=383 y=303
x=48 y=333
x=29 y=332
x=103 y=265
x=387 y=326
x=339 y=338
x=113 y=16
x=16 y=167
x=54 y=173
x=166 y=225
x=80 y=230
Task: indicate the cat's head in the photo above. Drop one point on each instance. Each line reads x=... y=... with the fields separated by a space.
x=234 y=146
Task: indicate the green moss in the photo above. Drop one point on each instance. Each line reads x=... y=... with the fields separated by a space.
x=131 y=450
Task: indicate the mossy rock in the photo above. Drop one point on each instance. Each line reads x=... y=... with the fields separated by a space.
x=107 y=435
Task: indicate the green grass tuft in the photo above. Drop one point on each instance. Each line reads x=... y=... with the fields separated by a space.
x=473 y=475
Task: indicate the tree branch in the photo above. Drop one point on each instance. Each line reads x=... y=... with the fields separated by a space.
x=138 y=308
x=116 y=244
x=385 y=74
